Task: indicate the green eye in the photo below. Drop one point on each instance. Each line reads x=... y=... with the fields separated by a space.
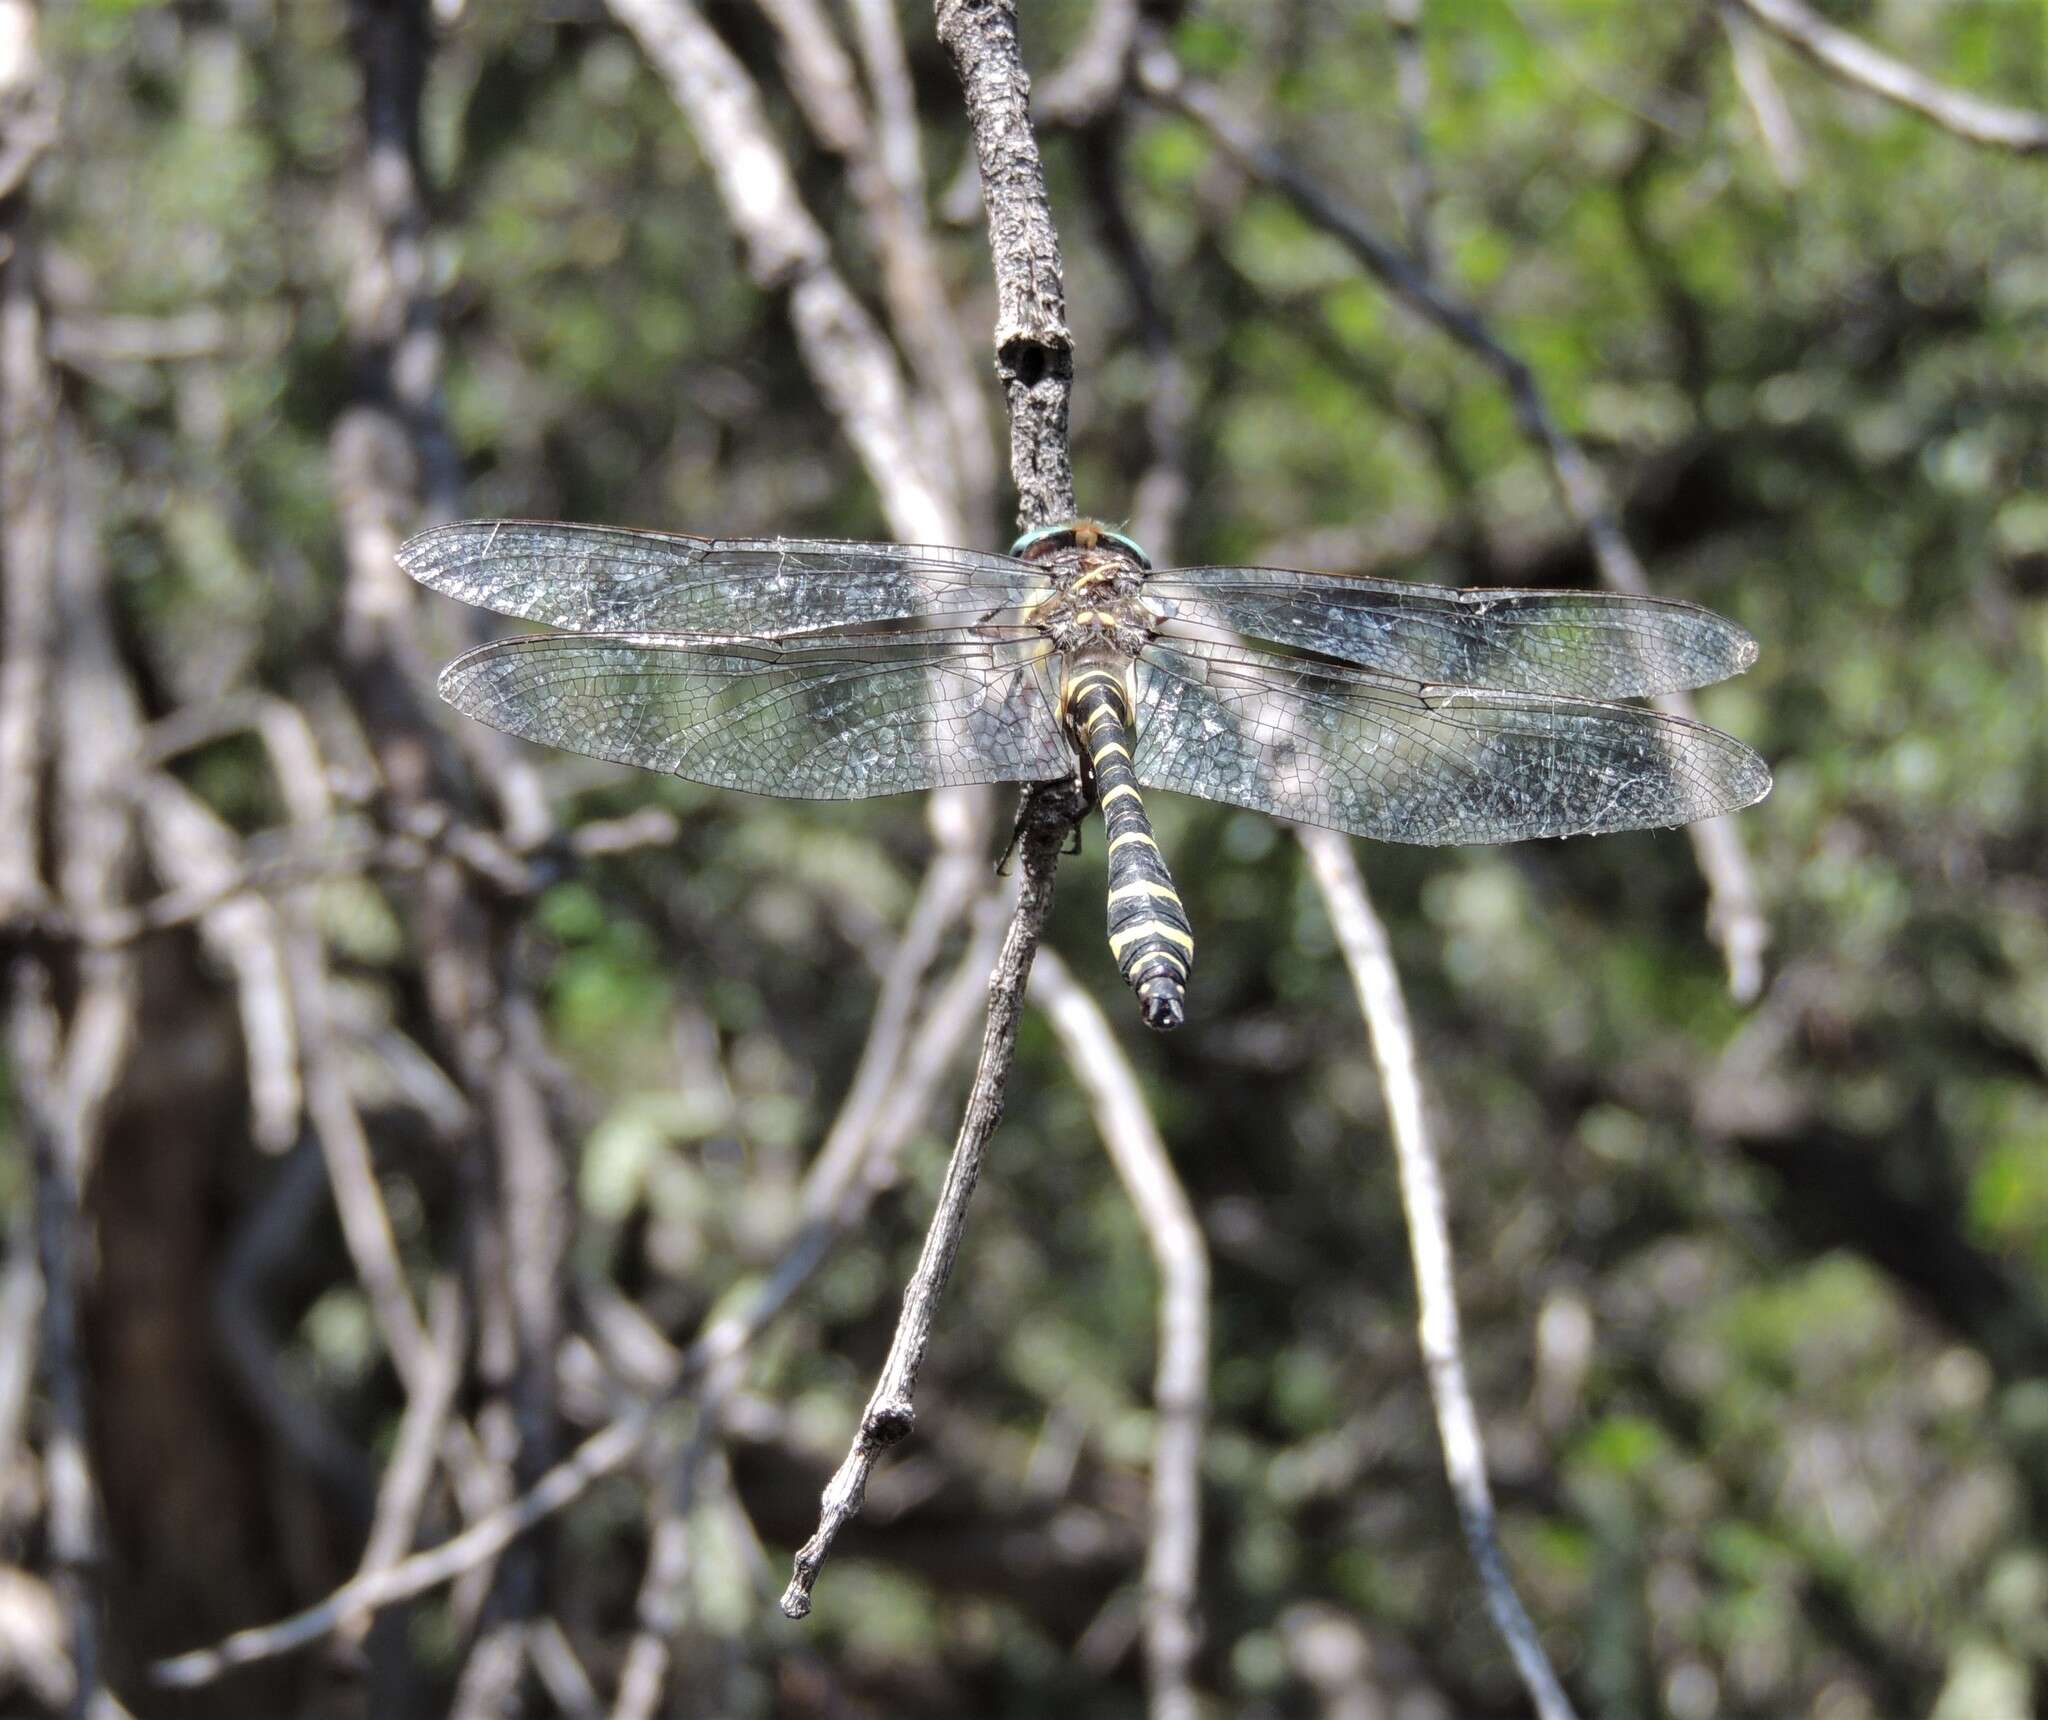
x=1049 y=536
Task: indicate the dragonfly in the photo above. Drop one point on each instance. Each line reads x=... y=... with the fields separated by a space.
x=819 y=668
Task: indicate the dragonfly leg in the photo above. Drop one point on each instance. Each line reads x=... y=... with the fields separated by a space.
x=1029 y=811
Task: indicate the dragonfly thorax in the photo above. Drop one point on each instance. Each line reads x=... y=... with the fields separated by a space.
x=1097 y=607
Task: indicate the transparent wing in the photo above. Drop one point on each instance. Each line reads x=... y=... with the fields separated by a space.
x=1403 y=762
x=816 y=721
x=1587 y=644
x=599 y=579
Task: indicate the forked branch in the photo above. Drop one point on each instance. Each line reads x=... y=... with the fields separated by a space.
x=1855 y=62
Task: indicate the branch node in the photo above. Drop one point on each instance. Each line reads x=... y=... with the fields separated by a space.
x=889 y=1423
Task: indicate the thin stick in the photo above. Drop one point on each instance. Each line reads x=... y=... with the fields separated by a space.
x=786 y=249
x=928 y=327
x=1084 y=86
x=198 y=853
x=402 y=1495
x=1049 y=813
x=1034 y=349
x=1363 y=939
x=664 y=1591
x=93 y=844
x=1735 y=918
x=1774 y=121
x=1855 y=62
x=620 y=1440
x=598 y=1456
x=1180 y=1388
x=73 y=1512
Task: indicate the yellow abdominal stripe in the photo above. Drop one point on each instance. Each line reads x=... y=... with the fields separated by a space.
x=1096 y=680
x=1110 y=747
x=1121 y=788
x=1116 y=842
x=1144 y=887
x=1121 y=941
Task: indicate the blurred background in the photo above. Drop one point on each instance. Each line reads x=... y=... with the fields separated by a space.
x=392 y=1103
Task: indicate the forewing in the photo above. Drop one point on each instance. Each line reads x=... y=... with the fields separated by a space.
x=1404 y=762
x=812 y=721
x=1586 y=644
x=599 y=579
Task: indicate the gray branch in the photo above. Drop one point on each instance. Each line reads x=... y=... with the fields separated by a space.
x=1180 y=1386
x=1855 y=62
x=1363 y=939
x=1049 y=813
x=1034 y=350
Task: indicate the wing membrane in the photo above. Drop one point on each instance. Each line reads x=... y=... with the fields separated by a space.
x=1585 y=644
x=842 y=720
x=600 y=579
x=1404 y=762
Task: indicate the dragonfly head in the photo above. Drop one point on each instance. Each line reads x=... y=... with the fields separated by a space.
x=1077 y=534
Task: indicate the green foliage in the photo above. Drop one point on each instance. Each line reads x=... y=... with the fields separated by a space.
x=1806 y=1452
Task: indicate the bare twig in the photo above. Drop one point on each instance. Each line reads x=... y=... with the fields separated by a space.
x=664 y=1588
x=885 y=169
x=956 y=876
x=870 y=1130
x=196 y=851
x=1034 y=349
x=402 y=1495
x=932 y=1046
x=787 y=252
x=1363 y=940
x=1735 y=916
x=491 y=1676
x=392 y=461
x=33 y=1035
x=1088 y=81
x=1774 y=121
x=21 y=1307
x=658 y=1613
x=928 y=325
x=66 y=1094
x=66 y=1080
x=43 y=1296
x=370 y=1591
x=1050 y=812
x=352 y=1175
x=1181 y=1381
x=1034 y=356
x=868 y=396
x=1855 y=62
x=561 y=1670
x=28 y=528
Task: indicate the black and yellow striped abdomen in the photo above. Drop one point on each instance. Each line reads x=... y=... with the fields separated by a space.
x=1148 y=927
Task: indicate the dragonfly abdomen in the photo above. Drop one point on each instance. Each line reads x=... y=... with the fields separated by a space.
x=1149 y=934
